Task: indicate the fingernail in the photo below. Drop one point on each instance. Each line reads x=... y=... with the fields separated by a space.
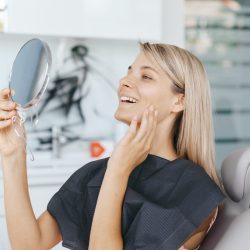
x=151 y=107
x=156 y=112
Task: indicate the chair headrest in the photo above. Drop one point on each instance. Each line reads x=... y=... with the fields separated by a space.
x=235 y=173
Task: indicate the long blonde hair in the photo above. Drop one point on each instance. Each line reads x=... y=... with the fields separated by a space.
x=193 y=133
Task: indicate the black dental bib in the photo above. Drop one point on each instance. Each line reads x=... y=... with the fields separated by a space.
x=164 y=203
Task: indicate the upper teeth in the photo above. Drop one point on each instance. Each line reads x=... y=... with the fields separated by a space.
x=126 y=98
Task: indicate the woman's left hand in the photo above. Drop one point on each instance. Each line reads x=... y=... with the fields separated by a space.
x=134 y=147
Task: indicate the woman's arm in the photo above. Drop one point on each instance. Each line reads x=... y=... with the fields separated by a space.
x=25 y=231
x=132 y=149
x=106 y=224
x=198 y=236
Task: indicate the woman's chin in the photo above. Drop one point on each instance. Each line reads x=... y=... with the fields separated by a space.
x=124 y=118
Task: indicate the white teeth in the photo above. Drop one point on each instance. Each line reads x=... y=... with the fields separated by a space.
x=126 y=98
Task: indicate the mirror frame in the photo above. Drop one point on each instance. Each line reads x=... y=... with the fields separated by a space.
x=35 y=100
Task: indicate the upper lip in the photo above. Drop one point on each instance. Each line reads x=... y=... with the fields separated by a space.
x=128 y=95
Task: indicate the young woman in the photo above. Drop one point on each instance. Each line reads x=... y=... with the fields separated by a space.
x=158 y=189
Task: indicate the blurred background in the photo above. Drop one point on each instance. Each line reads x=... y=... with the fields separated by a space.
x=74 y=130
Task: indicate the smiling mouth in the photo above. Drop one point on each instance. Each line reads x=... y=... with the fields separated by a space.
x=128 y=102
x=124 y=99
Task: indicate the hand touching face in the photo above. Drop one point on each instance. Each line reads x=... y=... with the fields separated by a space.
x=134 y=147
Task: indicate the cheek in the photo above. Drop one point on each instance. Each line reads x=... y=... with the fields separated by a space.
x=164 y=106
x=155 y=95
x=160 y=96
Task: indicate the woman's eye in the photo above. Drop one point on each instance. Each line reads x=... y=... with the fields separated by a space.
x=147 y=77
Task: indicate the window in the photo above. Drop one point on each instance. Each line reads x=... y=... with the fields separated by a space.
x=218 y=32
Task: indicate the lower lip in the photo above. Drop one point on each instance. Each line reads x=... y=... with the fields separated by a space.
x=128 y=102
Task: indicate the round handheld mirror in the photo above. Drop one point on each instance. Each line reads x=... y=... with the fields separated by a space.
x=29 y=77
x=30 y=73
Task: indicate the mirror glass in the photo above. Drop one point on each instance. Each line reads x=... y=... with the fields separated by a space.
x=30 y=73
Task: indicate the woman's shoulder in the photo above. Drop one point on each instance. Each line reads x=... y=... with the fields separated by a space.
x=198 y=192
x=85 y=175
x=195 y=177
x=194 y=171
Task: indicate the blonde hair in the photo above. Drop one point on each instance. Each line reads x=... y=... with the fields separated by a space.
x=193 y=133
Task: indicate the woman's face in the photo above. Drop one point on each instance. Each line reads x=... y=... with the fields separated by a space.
x=148 y=84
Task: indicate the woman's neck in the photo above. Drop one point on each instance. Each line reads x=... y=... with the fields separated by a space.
x=162 y=144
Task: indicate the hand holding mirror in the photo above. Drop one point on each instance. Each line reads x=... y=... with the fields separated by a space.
x=29 y=78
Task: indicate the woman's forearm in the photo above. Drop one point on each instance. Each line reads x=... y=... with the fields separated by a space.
x=22 y=225
x=106 y=225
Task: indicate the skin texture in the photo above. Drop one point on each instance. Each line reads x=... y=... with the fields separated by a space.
x=148 y=133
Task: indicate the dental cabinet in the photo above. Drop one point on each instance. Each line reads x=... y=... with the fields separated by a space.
x=159 y=20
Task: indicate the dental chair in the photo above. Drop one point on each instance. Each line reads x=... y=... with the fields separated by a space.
x=231 y=230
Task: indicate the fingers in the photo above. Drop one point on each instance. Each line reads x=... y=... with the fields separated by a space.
x=6 y=93
x=132 y=128
x=7 y=105
x=4 y=115
x=147 y=130
x=7 y=108
x=144 y=125
x=5 y=123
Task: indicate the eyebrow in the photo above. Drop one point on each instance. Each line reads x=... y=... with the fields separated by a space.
x=144 y=67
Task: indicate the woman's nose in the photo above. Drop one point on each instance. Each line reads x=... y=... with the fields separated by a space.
x=127 y=82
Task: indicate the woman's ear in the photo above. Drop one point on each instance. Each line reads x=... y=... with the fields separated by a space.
x=179 y=104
